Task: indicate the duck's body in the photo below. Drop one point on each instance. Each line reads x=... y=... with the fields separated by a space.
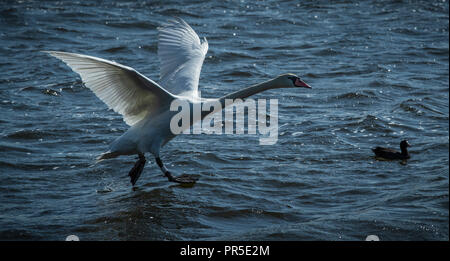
x=390 y=154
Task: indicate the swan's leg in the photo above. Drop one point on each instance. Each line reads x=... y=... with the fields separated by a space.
x=180 y=179
x=136 y=171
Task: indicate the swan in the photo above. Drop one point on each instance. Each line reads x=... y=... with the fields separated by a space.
x=144 y=104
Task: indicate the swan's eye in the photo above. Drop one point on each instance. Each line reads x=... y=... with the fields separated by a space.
x=293 y=78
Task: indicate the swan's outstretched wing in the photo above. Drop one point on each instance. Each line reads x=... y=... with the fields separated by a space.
x=123 y=89
x=181 y=56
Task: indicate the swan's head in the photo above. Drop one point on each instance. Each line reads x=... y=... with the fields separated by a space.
x=290 y=80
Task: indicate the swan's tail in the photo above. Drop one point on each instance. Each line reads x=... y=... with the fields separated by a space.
x=106 y=155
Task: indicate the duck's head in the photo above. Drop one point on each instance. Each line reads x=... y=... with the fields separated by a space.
x=404 y=144
x=290 y=80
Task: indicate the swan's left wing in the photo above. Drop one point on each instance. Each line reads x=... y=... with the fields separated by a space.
x=181 y=56
x=122 y=88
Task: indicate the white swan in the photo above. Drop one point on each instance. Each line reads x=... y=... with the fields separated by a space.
x=144 y=104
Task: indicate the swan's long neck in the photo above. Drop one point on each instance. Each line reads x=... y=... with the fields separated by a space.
x=249 y=91
x=244 y=93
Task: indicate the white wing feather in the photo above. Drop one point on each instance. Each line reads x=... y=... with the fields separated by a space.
x=122 y=88
x=181 y=56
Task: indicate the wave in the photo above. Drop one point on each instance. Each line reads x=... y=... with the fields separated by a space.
x=34 y=134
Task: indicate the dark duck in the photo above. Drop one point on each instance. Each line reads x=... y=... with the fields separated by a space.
x=390 y=154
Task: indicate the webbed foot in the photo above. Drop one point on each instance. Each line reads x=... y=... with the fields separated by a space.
x=184 y=179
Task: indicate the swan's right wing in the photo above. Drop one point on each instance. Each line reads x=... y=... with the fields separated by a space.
x=122 y=88
x=181 y=56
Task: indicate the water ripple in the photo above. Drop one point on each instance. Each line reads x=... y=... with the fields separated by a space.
x=379 y=73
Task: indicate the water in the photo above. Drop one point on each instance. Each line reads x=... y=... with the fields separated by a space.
x=379 y=73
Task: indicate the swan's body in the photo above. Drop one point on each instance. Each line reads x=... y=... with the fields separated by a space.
x=144 y=104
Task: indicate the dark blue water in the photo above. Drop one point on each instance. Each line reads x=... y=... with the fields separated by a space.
x=379 y=73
